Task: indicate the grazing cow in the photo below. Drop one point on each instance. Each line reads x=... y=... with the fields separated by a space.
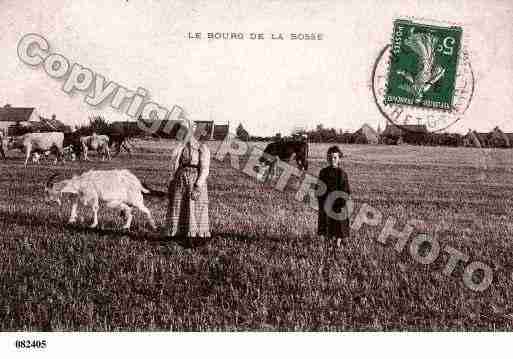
x=39 y=142
x=284 y=150
x=118 y=188
x=99 y=143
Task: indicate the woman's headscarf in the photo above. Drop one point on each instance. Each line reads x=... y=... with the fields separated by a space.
x=184 y=136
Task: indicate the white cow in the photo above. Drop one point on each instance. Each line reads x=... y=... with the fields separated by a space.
x=38 y=142
x=117 y=188
x=99 y=143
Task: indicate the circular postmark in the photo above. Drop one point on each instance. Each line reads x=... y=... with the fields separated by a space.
x=435 y=120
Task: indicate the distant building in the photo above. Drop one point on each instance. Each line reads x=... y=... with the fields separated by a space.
x=220 y=132
x=413 y=134
x=13 y=118
x=208 y=130
x=205 y=129
x=393 y=130
x=52 y=124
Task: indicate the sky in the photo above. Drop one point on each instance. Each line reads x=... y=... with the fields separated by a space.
x=267 y=85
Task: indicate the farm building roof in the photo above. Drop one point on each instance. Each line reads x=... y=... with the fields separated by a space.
x=54 y=124
x=16 y=114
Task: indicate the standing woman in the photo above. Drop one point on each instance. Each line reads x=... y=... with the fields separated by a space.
x=334 y=212
x=2 y=135
x=187 y=214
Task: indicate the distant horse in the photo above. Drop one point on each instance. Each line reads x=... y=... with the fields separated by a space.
x=284 y=150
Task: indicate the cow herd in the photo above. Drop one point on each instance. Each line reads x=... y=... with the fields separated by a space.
x=36 y=145
x=72 y=146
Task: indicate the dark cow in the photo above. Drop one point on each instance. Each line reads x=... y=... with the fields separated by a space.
x=284 y=150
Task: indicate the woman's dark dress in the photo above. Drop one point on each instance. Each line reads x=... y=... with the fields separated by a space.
x=336 y=180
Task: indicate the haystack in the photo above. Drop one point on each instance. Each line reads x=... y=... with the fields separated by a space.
x=366 y=134
x=472 y=139
x=497 y=138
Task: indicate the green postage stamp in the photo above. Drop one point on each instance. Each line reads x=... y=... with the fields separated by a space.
x=423 y=65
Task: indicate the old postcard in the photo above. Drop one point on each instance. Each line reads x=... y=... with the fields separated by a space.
x=260 y=166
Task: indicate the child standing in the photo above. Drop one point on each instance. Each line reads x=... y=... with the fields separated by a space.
x=333 y=221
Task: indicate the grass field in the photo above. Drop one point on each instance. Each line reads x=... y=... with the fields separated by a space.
x=264 y=268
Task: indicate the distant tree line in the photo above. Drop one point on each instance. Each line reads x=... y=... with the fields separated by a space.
x=399 y=136
x=98 y=124
x=391 y=136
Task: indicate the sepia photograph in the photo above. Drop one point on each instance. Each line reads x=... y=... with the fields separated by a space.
x=259 y=167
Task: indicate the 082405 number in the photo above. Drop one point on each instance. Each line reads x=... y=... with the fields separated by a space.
x=30 y=344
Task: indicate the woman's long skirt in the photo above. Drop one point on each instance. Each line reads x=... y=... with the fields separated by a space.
x=187 y=217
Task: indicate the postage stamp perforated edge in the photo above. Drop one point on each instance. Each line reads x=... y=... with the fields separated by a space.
x=463 y=58
x=423 y=22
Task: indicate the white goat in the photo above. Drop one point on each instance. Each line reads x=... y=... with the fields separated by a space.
x=118 y=188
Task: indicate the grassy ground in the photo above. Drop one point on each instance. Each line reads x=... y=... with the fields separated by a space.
x=264 y=268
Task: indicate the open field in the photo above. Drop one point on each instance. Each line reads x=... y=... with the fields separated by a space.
x=261 y=269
